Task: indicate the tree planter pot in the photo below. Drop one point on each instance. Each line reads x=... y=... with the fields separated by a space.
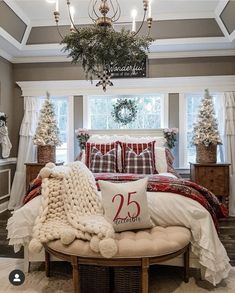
x=206 y=154
x=46 y=153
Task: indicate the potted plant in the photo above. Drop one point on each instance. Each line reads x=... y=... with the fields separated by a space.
x=205 y=132
x=47 y=133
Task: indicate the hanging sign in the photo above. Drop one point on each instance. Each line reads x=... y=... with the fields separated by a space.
x=128 y=71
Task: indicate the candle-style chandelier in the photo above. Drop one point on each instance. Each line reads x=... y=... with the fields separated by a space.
x=99 y=47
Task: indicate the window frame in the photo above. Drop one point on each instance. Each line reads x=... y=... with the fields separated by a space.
x=164 y=110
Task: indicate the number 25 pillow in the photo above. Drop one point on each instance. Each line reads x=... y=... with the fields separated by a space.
x=125 y=204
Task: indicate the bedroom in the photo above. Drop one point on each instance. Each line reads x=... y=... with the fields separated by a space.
x=193 y=51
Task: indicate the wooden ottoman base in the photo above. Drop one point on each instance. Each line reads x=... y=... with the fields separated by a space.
x=143 y=262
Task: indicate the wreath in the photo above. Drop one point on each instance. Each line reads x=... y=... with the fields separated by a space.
x=124 y=111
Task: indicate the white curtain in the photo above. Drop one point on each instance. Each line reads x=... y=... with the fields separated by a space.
x=26 y=152
x=229 y=144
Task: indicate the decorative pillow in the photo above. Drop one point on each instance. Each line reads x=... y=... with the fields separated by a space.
x=139 y=164
x=102 y=147
x=137 y=148
x=103 y=163
x=125 y=204
x=170 y=161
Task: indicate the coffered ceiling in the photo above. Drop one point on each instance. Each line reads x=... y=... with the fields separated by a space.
x=181 y=28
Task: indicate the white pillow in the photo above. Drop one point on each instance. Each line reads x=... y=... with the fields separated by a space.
x=125 y=204
x=160 y=159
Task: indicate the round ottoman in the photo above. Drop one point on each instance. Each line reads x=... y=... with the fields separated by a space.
x=135 y=248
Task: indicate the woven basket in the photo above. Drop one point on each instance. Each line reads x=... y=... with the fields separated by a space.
x=127 y=280
x=206 y=154
x=94 y=279
x=46 y=153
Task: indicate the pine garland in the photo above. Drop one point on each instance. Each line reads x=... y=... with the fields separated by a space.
x=99 y=47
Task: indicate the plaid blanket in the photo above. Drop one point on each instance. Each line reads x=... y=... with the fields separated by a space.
x=156 y=183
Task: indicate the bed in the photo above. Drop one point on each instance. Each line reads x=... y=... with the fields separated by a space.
x=207 y=253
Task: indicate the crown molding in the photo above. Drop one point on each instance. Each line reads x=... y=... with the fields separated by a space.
x=5 y=55
x=128 y=86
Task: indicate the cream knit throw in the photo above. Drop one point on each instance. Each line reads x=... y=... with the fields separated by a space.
x=71 y=208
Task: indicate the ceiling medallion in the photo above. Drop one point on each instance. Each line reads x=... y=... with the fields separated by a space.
x=99 y=47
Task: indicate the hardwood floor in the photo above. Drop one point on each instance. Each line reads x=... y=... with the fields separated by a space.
x=226 y=234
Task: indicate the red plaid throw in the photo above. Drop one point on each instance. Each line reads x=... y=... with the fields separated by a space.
x=103 y=163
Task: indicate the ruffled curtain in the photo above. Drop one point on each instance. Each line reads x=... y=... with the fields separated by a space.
x=229 y=144
x=26 y=152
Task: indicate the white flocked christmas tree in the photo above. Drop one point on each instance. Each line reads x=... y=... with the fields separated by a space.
x=47 y=132
x=205 y=130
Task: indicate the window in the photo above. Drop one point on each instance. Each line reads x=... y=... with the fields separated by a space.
x=192 y=103
x=61 y=111
x=150 y=114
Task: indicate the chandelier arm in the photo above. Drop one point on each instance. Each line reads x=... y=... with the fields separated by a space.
x=118 y=11
x=142 y=23
x=93 y=8
x=89 y=11
x=71 y=19
x=58 y=30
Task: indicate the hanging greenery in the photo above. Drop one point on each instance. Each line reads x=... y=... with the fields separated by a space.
x=124 y=111
x=98 y=47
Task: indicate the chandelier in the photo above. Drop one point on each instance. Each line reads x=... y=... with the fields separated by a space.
x=99 y=47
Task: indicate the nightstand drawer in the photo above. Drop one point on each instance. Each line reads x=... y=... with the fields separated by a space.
x=214 y=177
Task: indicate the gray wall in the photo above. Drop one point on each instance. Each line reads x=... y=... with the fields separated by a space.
x=157 y=68
x=10 y=103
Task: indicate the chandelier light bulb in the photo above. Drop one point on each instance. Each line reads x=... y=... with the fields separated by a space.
x=57 y=6
x=150 y=9
x=72 y=13
x=51 y=1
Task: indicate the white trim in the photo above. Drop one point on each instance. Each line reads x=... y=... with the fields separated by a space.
x=18 y=11
x=70 y=128
x=85 y=121
x=199 y=40
x=220 y=7
x=9 y=183
x=182 y=131
x=128 y=86
x=165 y=111
x=132 y=132
x=10 y=39
x=190 y=54
x=8 y=161
x=5 y=55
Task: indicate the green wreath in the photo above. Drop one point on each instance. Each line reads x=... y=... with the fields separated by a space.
x=124 y=111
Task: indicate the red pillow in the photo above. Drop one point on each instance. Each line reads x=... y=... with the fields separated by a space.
x=137 y=148
x=102 y=147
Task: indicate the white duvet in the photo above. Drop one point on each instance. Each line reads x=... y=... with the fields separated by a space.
x=165 y=209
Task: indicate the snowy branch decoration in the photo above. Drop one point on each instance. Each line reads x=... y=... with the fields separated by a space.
x=205 y=130
x=47 y=132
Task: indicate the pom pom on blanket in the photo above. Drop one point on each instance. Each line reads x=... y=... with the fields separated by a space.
x=71 y=208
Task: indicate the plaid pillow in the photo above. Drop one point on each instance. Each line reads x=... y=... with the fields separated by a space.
x=139 y=164
x=102 y=147
x=103 y=163
x=138 y=148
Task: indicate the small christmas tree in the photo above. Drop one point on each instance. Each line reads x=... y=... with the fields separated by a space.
x=205 y=130
x=47 y=132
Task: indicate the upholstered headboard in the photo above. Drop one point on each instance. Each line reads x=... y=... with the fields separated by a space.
x=130 y=132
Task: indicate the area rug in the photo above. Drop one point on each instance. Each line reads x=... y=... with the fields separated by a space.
x=162 y=280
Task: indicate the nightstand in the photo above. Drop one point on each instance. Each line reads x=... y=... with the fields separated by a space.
x=214 y=177
x=32 y=170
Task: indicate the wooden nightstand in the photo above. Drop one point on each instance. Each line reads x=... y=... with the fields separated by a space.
x=32 y=170
x=214 y=177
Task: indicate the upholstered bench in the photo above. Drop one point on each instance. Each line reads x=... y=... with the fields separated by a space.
x=135 y=248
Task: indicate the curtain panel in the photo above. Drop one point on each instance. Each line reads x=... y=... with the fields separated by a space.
x=26 y=152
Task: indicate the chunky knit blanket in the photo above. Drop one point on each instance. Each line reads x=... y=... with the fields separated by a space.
x=71 y=208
